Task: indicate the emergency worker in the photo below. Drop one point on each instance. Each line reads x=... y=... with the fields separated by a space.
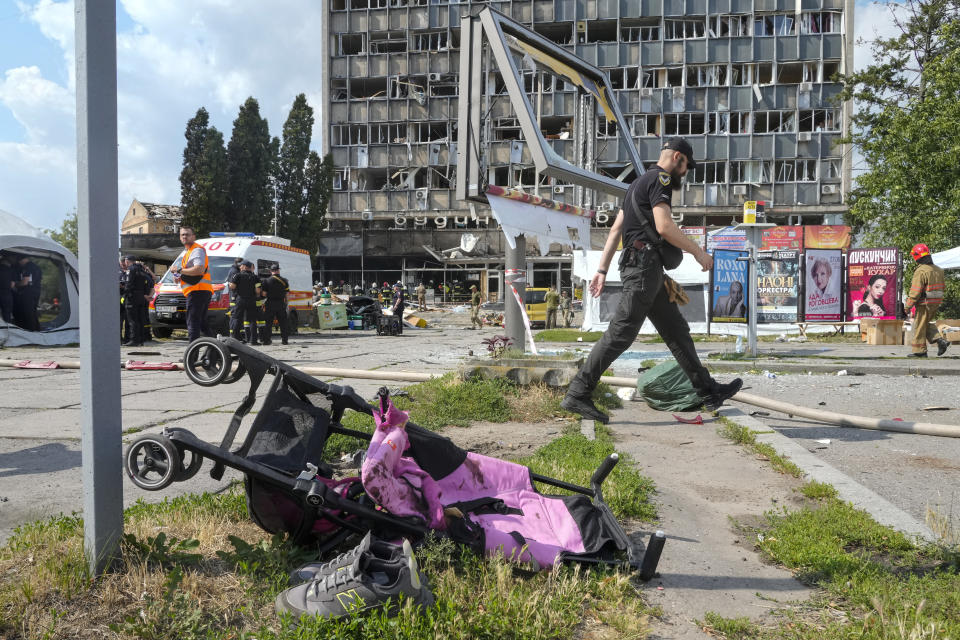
x=245 y=286
x=136 y=292
x=553 y=304
x=645 y=222
x=192 y=270
x=235 y=325
x=566 y=308
x=926 y=294
x=398 y=305
x=476 y=299
x=386 y=293
x=145 y=312
x=421 y=297
x=275 y=287
x=122 y=281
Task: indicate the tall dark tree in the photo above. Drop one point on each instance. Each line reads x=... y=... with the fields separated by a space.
x=908 y=107
x=206 y=211
x=274 y=180
x=291 y=184
x=195 y=134
x=249 y=163
x=319 y=186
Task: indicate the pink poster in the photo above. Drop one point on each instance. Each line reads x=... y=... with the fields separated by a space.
x=872 y=283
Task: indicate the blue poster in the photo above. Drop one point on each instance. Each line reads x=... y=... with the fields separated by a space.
x=728 y=291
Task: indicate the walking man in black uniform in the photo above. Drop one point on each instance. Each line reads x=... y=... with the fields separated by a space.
x=645 y=223
x=245 y=287
x=276 y=288
x=399 y=304
x=135 y=294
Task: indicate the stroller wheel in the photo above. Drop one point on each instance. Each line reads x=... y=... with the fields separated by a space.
x=188 y=466
x=152 y=462
x=237 y=374
x=207 y=362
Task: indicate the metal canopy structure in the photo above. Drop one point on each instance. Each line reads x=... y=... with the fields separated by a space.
x=508 y=42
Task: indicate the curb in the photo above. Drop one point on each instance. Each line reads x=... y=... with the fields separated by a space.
x=851 y=369
x=848 y=489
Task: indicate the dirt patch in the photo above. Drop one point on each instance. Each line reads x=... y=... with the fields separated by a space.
x=931 y=462
x=508 y=440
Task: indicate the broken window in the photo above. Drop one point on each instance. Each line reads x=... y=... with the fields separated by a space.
x=820 y=120
x=821 y=22
x=709 y=173
x=349 y=44
x=388 y=133
x=341 y=178
x=348 y=134
x=831 y=169
x=710 y=75
x=645 y=125
x=683 y=29
x=436 y=41
x=395 y=42
x=729 y=26
x=750 y=171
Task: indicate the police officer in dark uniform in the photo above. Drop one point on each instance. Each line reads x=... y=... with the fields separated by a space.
x=7 y=278
x=399 y=303
x=649 y=233
x=122 y=279
x=245 y=286
x=276 y=288
x=235 y=325
x=135 y=293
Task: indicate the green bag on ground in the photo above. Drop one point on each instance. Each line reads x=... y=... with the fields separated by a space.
x=666 y=387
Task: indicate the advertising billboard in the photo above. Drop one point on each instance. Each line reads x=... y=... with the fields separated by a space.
x=782 y=238
x=872 y=283
x=823 y=285
x=778 y=286
x=728 y=291
x=827 y=236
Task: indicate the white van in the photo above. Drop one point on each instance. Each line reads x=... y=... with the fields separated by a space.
x=168 y=306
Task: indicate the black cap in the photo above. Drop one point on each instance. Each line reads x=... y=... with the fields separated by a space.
x=681 y=145
x=238 y=261
x=130 y=258
x=245 y=263
x=275 y=267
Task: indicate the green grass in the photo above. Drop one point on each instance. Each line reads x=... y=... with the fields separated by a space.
x=567 y=335
x=747 y=437
x=818 y=490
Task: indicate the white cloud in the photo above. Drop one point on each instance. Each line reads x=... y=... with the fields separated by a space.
x=45 y=109
x=872 y=20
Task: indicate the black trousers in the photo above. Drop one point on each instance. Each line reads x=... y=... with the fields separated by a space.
x=135 y=324
x=25 y=311
x=6 y=306
x=643 y=296
x=274 y=309
x=246 y=314
x=197 y=304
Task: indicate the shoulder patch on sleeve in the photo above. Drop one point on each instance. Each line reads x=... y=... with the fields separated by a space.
x=664 y=178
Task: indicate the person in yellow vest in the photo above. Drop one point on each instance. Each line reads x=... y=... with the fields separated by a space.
x=926 y=294
x=476 y=299
x=553 y=303
x=192 y=270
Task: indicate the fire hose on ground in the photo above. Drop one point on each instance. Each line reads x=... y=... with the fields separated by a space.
x=817 y=415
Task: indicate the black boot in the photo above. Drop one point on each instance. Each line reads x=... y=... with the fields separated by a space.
x=719 y=393
x=942 y=345
x=584 y=407
x=918 y=354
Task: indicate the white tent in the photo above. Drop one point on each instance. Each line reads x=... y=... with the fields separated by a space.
x=949 y=259
x=60 y=277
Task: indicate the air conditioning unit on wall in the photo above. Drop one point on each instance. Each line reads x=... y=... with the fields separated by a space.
x=739 y=189
x=806 y=86
x=605 y=206
x=366 y=216
x=828 y=189
x=434 y=77
x=422 y=193
x=804 y=136
x=559 y=188
x=646 y=92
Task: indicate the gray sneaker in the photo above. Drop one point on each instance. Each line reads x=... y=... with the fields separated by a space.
x=367 y=584
x=369 y=545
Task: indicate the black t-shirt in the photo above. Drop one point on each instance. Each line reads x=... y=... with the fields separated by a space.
x=246 y=282
x=36 y=275
x=6 y=277
x=138 y=283
x=652 y=188
x=276 y=287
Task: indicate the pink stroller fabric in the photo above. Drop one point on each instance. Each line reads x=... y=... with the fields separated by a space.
x=499 y=503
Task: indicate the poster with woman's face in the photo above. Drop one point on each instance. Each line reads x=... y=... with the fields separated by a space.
x=872 y=283
x=824 y=276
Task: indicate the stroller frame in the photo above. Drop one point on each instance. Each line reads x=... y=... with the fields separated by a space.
x=176 y=455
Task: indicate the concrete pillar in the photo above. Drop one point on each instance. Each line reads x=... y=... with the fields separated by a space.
x=515 y=273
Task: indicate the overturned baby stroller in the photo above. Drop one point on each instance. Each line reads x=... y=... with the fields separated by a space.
x=413 y=479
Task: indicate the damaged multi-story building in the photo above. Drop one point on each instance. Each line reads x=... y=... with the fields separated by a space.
x=752 y=84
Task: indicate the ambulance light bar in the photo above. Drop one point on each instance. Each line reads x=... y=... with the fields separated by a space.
x=232 y=234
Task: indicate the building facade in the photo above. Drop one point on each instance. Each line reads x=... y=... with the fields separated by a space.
x=750 y=83
x=146 y=217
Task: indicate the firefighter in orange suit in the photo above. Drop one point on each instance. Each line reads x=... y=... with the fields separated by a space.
x=926 y=294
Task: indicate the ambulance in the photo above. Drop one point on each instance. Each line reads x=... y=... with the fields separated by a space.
x=168 y=306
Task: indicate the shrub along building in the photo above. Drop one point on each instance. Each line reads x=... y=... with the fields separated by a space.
x=747 y=82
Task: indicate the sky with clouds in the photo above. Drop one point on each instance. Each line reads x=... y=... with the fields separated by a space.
x=173 y=56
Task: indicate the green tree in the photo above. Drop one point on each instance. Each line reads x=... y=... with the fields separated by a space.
x=319 y=187
x=905 y=126
x=291 y=180
x=249 y=163
x=203 y=180
x=67 y=235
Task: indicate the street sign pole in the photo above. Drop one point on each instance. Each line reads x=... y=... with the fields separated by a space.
x=100 y=421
